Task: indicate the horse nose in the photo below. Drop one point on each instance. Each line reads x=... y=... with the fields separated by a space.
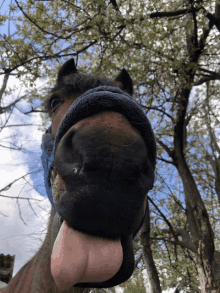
x=100 y=161
x=95 y=142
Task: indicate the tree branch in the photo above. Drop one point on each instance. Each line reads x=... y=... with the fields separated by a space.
x=19 y=125
x=166 y=148
x=172 y=13
x=186 y=241
x=17 y=197
x=166 y=161
x=4 y=109
x=3 y=87
x=152 y=108
x=56 y=55
x=165 y=219
x=210 y=76
x=25 y=14
x=33 y=111
x=214 y=20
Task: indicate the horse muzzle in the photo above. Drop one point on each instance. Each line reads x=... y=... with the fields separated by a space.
x=103 y=176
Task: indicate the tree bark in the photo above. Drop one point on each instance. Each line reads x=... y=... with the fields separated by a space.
x=148 y=257
x=195 y=207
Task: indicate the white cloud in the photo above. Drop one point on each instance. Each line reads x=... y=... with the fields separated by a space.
x=18 y=237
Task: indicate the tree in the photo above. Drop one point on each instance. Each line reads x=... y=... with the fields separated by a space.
x=171 y=49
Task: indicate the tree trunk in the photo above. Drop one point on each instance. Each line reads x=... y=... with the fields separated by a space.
x=197 y=216
x=148 y=258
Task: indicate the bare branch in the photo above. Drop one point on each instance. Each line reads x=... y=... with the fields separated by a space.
x=206 y=78
x=11 y=148
x=8 y=186
x=166 y=148
x=34 y=111
x=172 y=13
x=19 y=125
x=18 y=197
x=186 y=241
x=213 y=19
x=4 y=109
x=168 y=14
x=157 y=109
x=166 y=161
x=4 y=84
x=165 y=219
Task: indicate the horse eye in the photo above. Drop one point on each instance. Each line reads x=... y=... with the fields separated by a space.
x=54 y=101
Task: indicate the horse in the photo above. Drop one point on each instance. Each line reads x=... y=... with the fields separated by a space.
x=99 y=157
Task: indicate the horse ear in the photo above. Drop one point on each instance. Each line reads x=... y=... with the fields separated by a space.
x=66 y=69
x=126 y=81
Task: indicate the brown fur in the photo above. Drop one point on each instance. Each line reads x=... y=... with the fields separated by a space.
x=77 y=84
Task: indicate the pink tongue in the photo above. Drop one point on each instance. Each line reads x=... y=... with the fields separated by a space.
x=79 y=258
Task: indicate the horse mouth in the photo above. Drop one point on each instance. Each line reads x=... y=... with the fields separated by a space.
x=61 y=193
x=80 y=258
